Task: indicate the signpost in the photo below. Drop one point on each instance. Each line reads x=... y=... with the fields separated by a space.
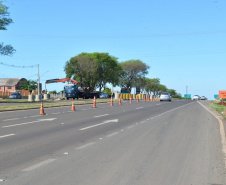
x=187 y=96
x=222 y=94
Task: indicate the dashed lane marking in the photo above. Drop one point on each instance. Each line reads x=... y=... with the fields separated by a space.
x=38 y=165
x=7 y=135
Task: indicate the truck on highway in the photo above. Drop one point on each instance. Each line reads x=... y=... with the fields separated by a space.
x=73 y=91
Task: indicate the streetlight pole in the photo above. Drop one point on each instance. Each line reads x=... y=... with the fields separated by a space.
x=38 y=82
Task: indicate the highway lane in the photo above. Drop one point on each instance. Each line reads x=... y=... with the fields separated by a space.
x=48 y=140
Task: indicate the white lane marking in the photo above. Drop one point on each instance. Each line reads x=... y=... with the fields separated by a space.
x=85 y=145
x=56 y=113
x=108 y=121
x=10 y=119
x=113 y=134
x=7 y=135
x=19 y=124
x=35 y=116
x=130 y=127
x=101 y=115
x=222 y=133
x=38 y=165
x=140 y=108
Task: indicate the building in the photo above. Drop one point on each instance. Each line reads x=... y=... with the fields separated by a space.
x=10 y=85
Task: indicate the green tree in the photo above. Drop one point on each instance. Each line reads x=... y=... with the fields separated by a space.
x=133 y=72
x=5 y=21
x=28 y=85
x=93 y=70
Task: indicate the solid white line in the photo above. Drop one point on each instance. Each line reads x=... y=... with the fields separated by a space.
x=222 y=133
x=85 y=145
x=108 y=121
x=38 y=165
x=10 y=119
x=7 y=135
x=113 y=134
x=101 y=115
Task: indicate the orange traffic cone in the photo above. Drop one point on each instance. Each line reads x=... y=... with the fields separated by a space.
x=42 y=109
x=94 y=102
x=120 y=101
x=73 y=106
x=111 y=101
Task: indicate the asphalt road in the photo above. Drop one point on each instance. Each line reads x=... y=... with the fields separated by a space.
x=159 y=143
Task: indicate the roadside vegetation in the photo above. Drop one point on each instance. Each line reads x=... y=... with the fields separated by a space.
x=219 y=107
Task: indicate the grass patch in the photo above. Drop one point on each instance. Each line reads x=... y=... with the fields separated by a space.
x=219 y=108
x=47 y=105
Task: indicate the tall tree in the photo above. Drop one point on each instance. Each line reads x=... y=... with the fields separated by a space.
x=133 y=71
x=5 y=21
x=82 y=68
x=108 y=69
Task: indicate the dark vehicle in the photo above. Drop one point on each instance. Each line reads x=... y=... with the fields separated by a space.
x=165 y=97
x=15 y=96
x=103 y=95
x=72 y=90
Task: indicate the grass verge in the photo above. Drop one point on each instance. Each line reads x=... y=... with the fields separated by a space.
x=219 y=108
x=48 y=105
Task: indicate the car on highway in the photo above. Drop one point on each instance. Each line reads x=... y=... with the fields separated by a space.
x=203 y=98
x=165 y=96
x=103 y=95
x=196 y=97
x=15 y=96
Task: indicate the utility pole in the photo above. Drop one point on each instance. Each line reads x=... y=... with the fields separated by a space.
x=38 y=82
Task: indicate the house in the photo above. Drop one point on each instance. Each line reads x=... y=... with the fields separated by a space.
x=10 y=85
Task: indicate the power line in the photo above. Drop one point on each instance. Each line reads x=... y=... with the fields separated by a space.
x=18 y=66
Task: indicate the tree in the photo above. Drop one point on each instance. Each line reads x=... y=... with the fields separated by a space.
x=107 y=69
x=133 y=71
x=93 y=70
x=28 y=85
x=5 y=21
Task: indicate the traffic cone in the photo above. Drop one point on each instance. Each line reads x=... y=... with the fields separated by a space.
x=111 y=101
x=94 y=102
x=130 y=99
x=120 y=101
x=42 y=109
x=73 y=106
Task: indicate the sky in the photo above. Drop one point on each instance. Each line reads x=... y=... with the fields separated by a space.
x=183 y=42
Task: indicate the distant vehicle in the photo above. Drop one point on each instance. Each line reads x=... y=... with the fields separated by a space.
x=103 y=95
x=15 y=96
x=165 y=97
x=196 y=97
x=203 y=98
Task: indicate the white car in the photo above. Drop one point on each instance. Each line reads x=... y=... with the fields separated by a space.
x=196 y=97
x=203 y=98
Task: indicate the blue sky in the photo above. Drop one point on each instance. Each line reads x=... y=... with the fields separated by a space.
x=183 y=42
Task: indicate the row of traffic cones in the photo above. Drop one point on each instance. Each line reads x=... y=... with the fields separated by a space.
x=94 y=103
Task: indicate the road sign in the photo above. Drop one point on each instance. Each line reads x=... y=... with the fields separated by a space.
x=187 y=95
x=216 y=96
x=222 y=94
